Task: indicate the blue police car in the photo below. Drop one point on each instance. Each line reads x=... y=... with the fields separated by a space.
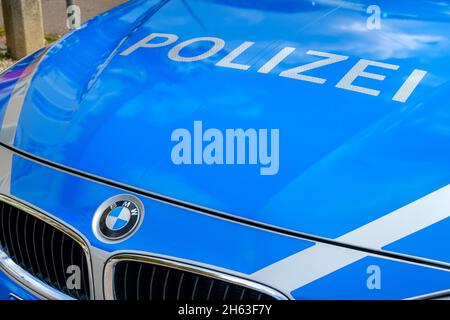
x=231 y=150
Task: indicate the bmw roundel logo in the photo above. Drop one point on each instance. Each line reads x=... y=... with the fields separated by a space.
x=118 y=218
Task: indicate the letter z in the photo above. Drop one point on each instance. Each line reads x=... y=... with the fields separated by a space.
x=295 y=73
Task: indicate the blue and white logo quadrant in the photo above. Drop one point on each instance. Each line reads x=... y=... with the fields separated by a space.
x=118 y=218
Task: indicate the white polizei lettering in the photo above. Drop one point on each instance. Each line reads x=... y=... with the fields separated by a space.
x=276 y=60
x=295 y=73
x=218 y=44
x=358 y=70
x=409 y=85
x=322 y=259
x=146 y=42
x=227 y=61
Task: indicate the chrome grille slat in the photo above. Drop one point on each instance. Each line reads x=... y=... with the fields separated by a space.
x=84 y=271
x=179 y=287
x=63 y=237
x=151 y=282
x=242 y=294
x=21 y=259
x=46 y=276
x=24 y=235
x=226 y=292
x=125 y=281
x=55 y=272
x=34 y=249
x=210 y=290
x=12 y=251
x=72 y=262
x=138 y=282
x=4 y=237
x=195 y=287
x=166 y=280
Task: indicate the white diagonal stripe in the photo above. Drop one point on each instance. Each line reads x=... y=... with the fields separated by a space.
x=320 y=260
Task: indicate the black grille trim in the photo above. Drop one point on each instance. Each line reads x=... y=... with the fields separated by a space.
x=135 y=277
x=40 y=250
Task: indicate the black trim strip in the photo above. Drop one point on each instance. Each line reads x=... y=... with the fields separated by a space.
x=219 y=214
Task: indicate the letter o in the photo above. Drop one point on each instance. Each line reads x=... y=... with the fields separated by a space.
x=218 y=45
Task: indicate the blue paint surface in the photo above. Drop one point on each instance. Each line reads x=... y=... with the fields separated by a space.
x=8 y=286
x=346 y=158
x=166 y=229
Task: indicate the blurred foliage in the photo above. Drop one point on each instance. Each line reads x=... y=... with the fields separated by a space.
x=50 y=38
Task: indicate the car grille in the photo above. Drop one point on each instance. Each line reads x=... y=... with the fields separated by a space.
x=134 y=280
x=43 y=251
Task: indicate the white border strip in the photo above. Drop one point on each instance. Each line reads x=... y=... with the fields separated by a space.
x=10 y=121
x=14 y=108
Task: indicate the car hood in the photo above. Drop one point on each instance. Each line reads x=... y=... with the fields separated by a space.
x=346 y=158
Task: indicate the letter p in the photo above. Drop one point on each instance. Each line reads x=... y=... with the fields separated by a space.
x=147 y=42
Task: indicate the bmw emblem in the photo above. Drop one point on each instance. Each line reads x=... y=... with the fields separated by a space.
x=118 y=218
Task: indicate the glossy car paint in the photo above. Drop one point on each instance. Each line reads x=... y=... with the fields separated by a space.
x=9 y=80
x=238 y=249
x=346 y=159
x=10 y=290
